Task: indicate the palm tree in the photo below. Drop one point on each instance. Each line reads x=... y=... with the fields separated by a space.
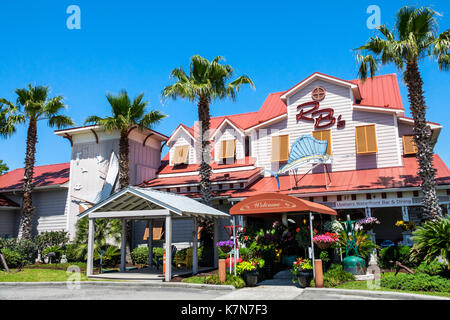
x=206 y=82
x=413 y=38
x=126 y=116
x=33 y=105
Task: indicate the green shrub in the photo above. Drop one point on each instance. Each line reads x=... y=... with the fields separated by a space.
x=139 y=255
x=73 y=253
x=415 y=282
x=432 y=240
x=13 y=258
x=335 y=276
x=57 y=250
x=433 y=268
x=26 y=248
x=110 y=256
x=389 y=255
x=50 y=239
x=235 y=281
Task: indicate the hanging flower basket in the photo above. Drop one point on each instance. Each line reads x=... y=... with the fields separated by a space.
x=368 y=223
x=225 y=246
x=324 y=241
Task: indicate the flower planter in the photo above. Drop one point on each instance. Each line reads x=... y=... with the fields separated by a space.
x=304 y=278
x=251 y=278
x=323 y=245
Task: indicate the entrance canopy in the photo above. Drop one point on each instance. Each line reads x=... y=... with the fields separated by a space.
x=141 y=203
x=269 y=203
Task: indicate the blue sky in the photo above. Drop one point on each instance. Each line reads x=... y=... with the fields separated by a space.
x=135 y=44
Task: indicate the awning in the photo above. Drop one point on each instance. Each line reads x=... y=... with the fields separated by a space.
x=269 y=203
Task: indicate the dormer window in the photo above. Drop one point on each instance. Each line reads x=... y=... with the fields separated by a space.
x=227 y=149
x=366 y=139
x=280 y=148
x=180 y=155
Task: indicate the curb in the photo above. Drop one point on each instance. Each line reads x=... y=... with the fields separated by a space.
x=381 y=294
x=116 y=284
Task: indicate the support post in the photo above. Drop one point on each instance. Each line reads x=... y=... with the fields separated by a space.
x=90 y=251
x=195 y=247
x=123 y=242
x=168 y=275
x=150 y=242
x=312 y=243
x=215 y=240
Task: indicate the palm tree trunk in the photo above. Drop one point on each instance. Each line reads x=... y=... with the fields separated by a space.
x=124 y=181
x=205 y=169
x=422 y=137
x=28 y=209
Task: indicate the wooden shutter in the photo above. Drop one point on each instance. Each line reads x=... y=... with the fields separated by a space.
x=324 y=135
x=280 y=148
x=158 y=226
x=180 y=155
x=228 y=148
x=409 y=145
x=366 y=139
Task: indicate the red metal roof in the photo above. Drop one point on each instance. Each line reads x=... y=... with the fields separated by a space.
x=167 y=169
x=380 y=91
x=354 y=180
x=273 y=202
x=5 y=202
x=195 y=179
x=48 y=175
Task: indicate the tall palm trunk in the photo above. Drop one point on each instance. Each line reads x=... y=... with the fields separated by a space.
x=124 y=181
x=28 y=209
x=422 y=137
x=205 y=169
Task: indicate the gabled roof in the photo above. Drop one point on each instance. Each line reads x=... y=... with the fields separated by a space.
x=379 y=92
x=224 y=122
x=7 y=203
x=186 y=129
x=98 y=128
x=44 y=176
x=134 y=199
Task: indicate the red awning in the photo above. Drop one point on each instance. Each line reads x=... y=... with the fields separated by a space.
x=277 y=203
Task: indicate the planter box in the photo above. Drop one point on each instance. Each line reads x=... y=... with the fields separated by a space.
x=304 y=278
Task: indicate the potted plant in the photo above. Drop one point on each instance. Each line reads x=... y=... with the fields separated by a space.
x=302 y=270
x=324 y=241
x=248 y=272
x=368 y=223
x=406 y=225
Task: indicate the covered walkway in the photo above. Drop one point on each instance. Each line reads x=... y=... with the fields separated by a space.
x=133 y=203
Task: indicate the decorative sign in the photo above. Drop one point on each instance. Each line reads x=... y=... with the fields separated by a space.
x=318 y=94
x=322 y=118
x=268 y=204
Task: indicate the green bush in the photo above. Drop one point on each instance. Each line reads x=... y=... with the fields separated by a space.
x=139 y=255
x=235 y=281
x=57 y=250
x=13 y=258
x=110 y=256
x=389 y=255
x=50 y=239
x=433 y=268
x=415 y=282
x=73 y=253
x=335 y=276
x=26 y=248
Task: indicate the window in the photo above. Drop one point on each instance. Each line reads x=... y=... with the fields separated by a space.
x=324 y=135
x=227 y=149
x=180 y=155
x=366 y=139
x=409 y=145
x=157 y=229
x=280 y=148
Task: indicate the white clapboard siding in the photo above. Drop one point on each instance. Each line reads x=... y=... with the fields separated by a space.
x=183 y=139
x=144 y=161
x=49 y=213
x=343 y=140
x=8 y=223
x=229 y=133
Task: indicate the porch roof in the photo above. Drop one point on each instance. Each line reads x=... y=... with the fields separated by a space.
x=268 y=203
x=135 y=202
